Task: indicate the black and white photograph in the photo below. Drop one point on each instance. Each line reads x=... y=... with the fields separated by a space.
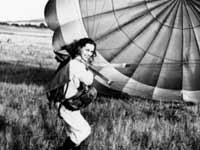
x=99 y=75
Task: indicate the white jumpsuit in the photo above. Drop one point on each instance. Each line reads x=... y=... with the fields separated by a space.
x=79 y=127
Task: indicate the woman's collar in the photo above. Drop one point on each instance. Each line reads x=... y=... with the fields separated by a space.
x=79 y=58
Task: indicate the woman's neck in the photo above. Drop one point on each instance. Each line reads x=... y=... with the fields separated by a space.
x=79 y=58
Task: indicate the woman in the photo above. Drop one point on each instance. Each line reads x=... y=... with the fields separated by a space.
x=82 y=53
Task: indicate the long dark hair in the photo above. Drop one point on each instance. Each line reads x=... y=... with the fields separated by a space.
x=74 y=48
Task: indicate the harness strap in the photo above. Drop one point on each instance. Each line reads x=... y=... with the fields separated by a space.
x=80 y=92
x=60 y=103
x=59 y=107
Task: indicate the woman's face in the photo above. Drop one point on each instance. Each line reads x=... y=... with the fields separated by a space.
x=87 y=51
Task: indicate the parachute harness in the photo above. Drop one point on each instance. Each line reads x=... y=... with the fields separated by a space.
x=84 y=96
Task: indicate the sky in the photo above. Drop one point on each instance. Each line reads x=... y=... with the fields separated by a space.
x=17 y=10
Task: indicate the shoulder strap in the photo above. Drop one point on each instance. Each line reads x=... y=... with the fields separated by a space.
x=80 y=92
x=60 y=77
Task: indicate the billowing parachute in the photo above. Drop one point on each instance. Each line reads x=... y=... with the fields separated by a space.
x=157 y=40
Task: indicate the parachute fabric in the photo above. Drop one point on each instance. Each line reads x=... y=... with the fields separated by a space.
x=158 y=40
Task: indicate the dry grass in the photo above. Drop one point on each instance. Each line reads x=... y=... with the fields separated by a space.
x=27 y=123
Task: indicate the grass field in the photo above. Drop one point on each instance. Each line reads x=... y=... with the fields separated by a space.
x=132 y=123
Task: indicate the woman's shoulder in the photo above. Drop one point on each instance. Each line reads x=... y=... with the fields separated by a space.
x=76 y=62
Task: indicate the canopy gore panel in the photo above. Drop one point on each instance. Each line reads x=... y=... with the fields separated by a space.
x=158 y=40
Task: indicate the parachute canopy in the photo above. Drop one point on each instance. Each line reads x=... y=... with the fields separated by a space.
x=157 y=40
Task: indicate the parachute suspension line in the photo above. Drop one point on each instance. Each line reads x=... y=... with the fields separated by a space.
x=160 y=24
x=158 y=19
x=155 y=36
x=182 y=47
x=97 y=26
x=189 y=35
x=190 y=41
x=190 y=23
x=111 y=11
x=168 y=42
x=195 y=2
x=87 y=14
x=195 y=36
x=159 y=64
x=159 y=29
x=194 y=9
x=138 y=91
x=132 y=38
x=142 y=14
x=188 y=16
x=139 y=16
x=170 y=3
x=110 y=32
x=175 y=62
x=94 y=19
x=148 y=65
x=173 y=22
x=190 y=27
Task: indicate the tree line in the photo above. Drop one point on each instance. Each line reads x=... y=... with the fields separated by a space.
x=41 y=25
